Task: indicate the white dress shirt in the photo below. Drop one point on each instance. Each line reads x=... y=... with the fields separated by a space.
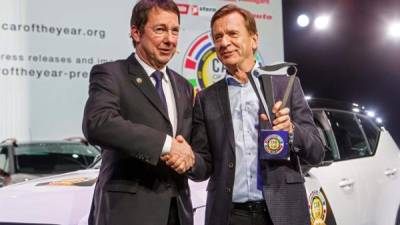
x=169 y=97
x=245 y=107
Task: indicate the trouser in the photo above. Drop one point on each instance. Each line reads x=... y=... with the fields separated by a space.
x=173 y=217
x=250 y=213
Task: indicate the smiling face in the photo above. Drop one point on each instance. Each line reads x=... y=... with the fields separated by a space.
x=234 y=44
x=156 y=44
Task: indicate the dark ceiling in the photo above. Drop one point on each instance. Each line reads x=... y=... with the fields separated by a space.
x=353 y=60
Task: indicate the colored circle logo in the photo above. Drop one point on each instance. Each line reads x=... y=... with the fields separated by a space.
x=273 y=144
x=200 y=64
x=317 y=208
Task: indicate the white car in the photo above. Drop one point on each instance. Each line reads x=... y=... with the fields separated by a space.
x=362 y=184
x=21 y=161
x=357 y=184
x=66 y=199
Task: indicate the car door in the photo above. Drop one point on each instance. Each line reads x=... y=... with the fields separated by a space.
x=340 y=179
x=379 y=174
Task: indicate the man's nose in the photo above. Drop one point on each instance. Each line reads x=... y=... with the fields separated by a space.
x=170 y=37
x=225 y=41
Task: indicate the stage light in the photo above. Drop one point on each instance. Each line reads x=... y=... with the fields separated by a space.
x=378 y=120
x=357 y=110
x=303 y=20
x=370 y=113
x=322 y=22
x=394 y=30
x=307 y=97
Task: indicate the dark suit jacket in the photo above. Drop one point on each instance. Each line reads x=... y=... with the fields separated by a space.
x=125 y=117
x=213 y=141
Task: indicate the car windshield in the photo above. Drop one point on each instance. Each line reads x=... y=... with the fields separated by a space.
x=48 y=158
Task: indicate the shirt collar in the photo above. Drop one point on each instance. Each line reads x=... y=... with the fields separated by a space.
x=150 y=70
x=233 y=81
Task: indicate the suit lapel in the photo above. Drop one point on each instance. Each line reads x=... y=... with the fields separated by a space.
x=178 y=99
x=142 y=81
x=224 y=104
x=268 y=92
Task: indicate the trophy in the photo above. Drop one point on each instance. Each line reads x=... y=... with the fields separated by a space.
x=274 y=144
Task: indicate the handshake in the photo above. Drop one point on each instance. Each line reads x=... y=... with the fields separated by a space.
x=181 y=157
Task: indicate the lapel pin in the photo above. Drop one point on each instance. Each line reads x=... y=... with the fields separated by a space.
x=139 y=80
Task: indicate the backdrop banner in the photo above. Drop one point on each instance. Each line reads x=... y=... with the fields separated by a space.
x=47 y=49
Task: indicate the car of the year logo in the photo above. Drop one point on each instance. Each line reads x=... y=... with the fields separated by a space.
x=356 y=184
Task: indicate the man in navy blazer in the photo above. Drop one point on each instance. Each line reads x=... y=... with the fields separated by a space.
x=226 y=122
x=135 y=109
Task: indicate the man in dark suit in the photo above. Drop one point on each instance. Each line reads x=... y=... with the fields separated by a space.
x=242 y=188
x=135 y=109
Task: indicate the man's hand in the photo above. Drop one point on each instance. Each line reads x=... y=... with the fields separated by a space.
x=181 y=157
x=282 y=119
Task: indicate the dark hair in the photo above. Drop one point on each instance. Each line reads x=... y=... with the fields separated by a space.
x=249 y=21
x=141 y=11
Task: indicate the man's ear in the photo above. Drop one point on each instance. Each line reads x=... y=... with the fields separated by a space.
x=135 y=34
x=254 y=43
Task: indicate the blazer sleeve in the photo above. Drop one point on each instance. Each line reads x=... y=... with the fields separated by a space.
x=202 y=168
x=306 y=136
x=104 y=125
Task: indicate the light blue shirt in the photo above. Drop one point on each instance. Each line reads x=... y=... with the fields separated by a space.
x=245 y=107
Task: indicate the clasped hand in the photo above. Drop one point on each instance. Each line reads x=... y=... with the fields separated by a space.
x=181 y=157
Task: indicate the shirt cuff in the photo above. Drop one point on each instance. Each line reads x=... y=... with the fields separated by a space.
x=167 y=145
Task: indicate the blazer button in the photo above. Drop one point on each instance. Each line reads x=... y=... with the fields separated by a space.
x=230 y=165
x=228 y=189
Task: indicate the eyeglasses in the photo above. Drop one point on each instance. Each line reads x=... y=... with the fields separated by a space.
x=161 y=30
